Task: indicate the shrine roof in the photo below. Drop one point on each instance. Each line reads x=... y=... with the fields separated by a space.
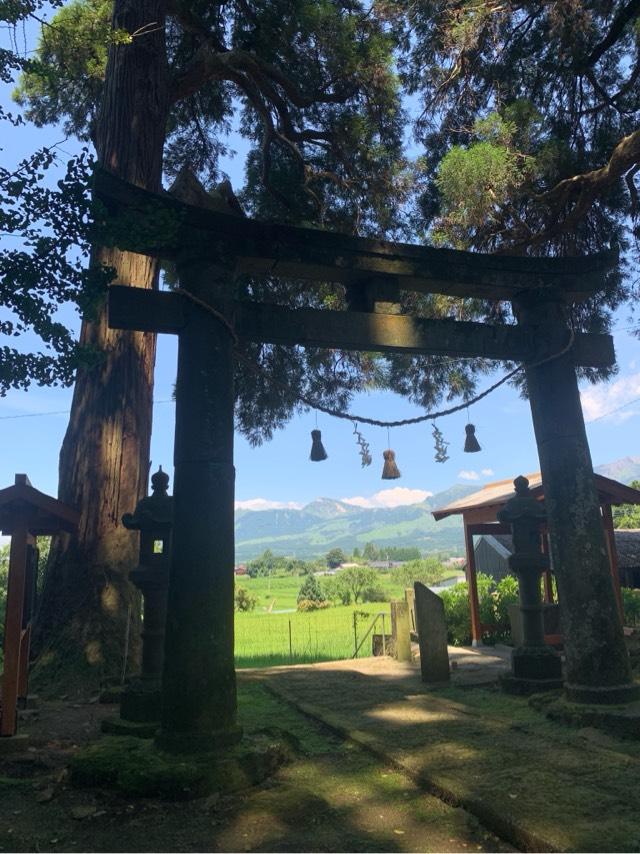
x=484 y=503
x=45 y=514
x=627 y=546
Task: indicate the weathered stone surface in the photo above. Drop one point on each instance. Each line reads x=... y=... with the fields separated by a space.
x=432 y=635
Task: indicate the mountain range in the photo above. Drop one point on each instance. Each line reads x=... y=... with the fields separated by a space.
x=327 y=523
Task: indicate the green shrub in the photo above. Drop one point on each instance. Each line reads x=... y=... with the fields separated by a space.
x=310 y=591
x=313 y=604
x=494 y=600
x=631 y=606
x=428 y=571
x=243 y=600
x=374 y=593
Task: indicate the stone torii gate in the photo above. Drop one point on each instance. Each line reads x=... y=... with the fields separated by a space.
x=209 y=247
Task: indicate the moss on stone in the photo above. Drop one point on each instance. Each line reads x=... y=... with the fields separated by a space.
x=136 y=767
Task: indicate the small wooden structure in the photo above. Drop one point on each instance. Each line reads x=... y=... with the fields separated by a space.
x=479 y=516
x=25 y=513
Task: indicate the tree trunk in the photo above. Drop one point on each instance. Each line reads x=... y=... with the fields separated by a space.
x=88 y=608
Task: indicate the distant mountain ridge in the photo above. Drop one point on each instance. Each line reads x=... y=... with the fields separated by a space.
x=625 y=470
x=328 y=523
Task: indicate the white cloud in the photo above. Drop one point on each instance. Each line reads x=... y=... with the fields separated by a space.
x=265 y=504
x=600 y=401
x=397 y=497
x=466 y=474
x=487 y=472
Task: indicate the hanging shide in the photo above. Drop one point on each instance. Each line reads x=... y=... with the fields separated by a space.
x=363 y=447
x=440 y=445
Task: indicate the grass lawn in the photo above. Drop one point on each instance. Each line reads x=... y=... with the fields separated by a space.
x=265 y=640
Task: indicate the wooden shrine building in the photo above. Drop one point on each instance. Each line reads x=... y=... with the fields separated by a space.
x=210 y=249
x=25 y=513
x=479 y=511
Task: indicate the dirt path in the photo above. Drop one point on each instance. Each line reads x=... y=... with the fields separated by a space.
x=332 y=797
x=540 y=784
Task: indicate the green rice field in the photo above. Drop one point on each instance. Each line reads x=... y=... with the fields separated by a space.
x=276 y=633
x=269 y=639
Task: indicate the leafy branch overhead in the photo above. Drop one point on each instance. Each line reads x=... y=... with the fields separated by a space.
x=558 y=80
x=314 y=81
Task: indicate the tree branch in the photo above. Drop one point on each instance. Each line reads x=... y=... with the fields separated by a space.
x=620 y=21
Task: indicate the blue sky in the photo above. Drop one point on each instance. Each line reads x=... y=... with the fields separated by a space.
x=280 y=472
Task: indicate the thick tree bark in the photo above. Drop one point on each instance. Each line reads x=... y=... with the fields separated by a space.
x=87 y=603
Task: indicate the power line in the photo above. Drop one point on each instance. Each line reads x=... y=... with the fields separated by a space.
x=58 y=412
x=613 y=411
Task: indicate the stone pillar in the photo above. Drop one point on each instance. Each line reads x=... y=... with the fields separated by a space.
x=153 y=517
x=597 y=662
x=534 y=666
x=199 y=705
x=432 y=635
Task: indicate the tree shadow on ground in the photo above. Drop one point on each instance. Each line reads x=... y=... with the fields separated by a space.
x=486 y=750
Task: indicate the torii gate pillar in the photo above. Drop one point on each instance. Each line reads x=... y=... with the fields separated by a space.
x=199 y=705
x=597 y=662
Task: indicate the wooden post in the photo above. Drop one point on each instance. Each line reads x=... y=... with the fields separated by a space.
x=546 y=575
x=472 y=583
x=13 y=625
x=400 y=630
x=199 y=705
x=607 y=517
x=597 y=663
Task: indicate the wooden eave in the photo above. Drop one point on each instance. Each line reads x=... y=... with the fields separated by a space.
x=483 y=505
x=160 y=225
x=45 y=514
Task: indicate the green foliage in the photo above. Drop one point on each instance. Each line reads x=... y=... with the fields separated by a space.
x=427 y=570
x=376 y=553
x=243 y=600
x=47 y=270
x=310 y=591
x=627 y=515
x=355 y=584
x=305 y=605
x=631 y=606
x=335 y=558
x=494 y=600
x=66 y=76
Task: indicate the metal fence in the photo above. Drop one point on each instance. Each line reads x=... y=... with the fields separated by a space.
x=263 y=640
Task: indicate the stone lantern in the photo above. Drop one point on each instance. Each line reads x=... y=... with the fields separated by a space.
x=153 y=517
x=534 y=665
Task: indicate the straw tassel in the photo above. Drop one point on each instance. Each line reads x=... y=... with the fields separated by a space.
x=471 y=444
x=318 y=452
x=390 y=470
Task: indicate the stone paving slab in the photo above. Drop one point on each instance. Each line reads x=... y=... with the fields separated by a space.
x=541 y=786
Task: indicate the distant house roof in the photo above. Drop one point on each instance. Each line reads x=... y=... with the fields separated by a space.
x=494 y=495
x=627 y=546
